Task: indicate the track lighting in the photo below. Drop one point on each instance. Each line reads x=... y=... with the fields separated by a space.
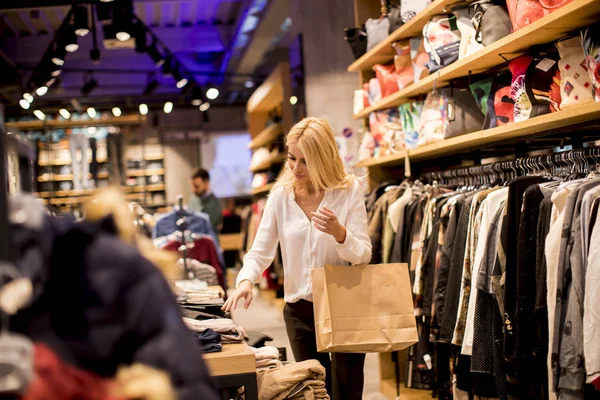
x=249 y=84
x=204 y=107
x=69 y=39
x=28 y=97
x=168 y=107
x=42 y=90
x=59 y=55
x=64 y=113
x=167 y=69
x=91 y=111
x=197 y=96
x=180 y=79
x=151 y=86
x=123 y=35
x=80 y=20
x=212 y=93
x=143 y=109
x=89 y=85
x=157 y=58
x=116 y=111
x=39 y=114
x=293 y=100
x=24 y=104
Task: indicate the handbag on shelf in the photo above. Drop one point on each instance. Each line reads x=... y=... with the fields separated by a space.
x=394 y=14
x=518 y=92
x=442 y=41
x=490 y=20
x=410 y=8
x=419 y=58
x=468 y=42
x=405 y=73
x=575 y=84
x=357 y=39
x=463 y=114
x=374 y=91
x=481 y=89
x=363 y=308
x=501 y=106
x=377 y=31
x=378 y=121
x=387 y=78
x=358 y=101
x=434 y=119
x=525 y=12
x=410 y=119
x=591 y=49
x=366 y=95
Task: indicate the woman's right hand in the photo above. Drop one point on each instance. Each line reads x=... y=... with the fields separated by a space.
x=244 y=291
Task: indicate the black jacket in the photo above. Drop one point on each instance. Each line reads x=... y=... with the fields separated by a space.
x=99 y=304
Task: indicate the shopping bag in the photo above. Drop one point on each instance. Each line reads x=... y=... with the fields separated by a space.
x=363 y=309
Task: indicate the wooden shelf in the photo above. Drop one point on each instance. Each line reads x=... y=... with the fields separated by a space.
x=146 y=188
x=65 y=162
x=263 y=189
x=267 y=136
x=268 y=163
x=544 y=124
x=39 y=125
x=67 y=177
x=270 y=94
x=383 y=52
x=147 y=172
x=87 y=192
x=573 y=16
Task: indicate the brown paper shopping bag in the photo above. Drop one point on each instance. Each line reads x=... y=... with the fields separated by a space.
x=363 y=309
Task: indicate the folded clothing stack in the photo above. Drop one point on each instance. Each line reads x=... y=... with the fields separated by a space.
x=304 y=380
x=203 y=272
x=229 y=331
x=197 y=292
x=267 y=357
x=209 y=340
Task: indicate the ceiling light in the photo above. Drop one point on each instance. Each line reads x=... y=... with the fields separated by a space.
x=59 y=56
x=196 y=102
x=91 y=111
x=249 y=84
x=157 y=58
x=70 y=39
x=197 y=98
x=293 y=100
x=39 y=114
x=123 y=36
x=106 y=1
x=24 y=104
x=28 y=97
x=143 y=109
x=212 y=93
x=64 y=113
x=204 y=107
x=116 y=111
x=50 y=82
x=168 y=107
x=80 y=20
x=42 y=90
x=181 y=80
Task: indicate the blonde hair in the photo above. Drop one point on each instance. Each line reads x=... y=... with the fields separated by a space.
x=325 y=167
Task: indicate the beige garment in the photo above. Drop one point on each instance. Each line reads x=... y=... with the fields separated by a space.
x=279 y=384
x=266 y=352
x=310 y=390
x=268 y=364
x=230 y=332
x=393 y=220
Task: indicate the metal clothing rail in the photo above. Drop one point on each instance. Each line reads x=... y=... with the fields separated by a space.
x=6 y=253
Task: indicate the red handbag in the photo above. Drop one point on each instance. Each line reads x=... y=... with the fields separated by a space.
x=525 y=12
x=388 y=80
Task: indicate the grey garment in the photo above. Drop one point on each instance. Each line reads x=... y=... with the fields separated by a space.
x=115 y=146
x=486 y=270
x=570 y=364
x=565 y=247
x=586 y=210
x=210 y=205
x=80 y=164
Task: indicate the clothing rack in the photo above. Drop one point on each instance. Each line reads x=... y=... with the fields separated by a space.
x=6 y=254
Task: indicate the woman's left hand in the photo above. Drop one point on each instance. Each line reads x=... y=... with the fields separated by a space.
x=326 y=221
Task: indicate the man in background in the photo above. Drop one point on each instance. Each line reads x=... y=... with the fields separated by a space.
x=203 y=200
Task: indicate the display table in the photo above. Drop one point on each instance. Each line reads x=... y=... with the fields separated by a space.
x=235 y=366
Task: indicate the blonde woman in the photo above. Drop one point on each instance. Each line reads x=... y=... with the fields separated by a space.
x=317 y=213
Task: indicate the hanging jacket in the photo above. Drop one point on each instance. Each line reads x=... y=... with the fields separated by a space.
x=99 y=304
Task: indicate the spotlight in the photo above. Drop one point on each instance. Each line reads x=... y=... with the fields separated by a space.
x=143 y=109
x=157 y=58
x=28 y=97
x=180 y=79
x=39 y=114
x=64 y=113
x=123 y=35
x=95 y=55
x=168 y=107
x=204 y=107
x=212 y=93
x=167 y=69
x=24 y=104
x=89 y=85
x=116 y=111
x=60 y=53
x=151 y=86
x=196 y=96
x=106 y=1
x=293 y=100
x=80 y=20
x=249 y=84
x=42 y=90
x=70 y=39
x=91 y=111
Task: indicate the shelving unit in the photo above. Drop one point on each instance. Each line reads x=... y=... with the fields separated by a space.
x=263 y=189
x=273 y=93
x=575 y=15
x=67 y=177
x=147 y=172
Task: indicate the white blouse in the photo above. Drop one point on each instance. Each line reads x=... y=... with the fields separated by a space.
x=303 y=246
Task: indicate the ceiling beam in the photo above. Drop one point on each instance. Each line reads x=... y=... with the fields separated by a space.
x=7 y=5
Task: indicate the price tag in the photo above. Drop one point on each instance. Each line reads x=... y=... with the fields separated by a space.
x=545 y=64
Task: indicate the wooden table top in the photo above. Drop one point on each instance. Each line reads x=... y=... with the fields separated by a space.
x=234 y=359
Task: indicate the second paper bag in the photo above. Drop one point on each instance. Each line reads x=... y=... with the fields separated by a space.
x=363 y=309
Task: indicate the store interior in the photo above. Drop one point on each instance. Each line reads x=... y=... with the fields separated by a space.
x=157 y=129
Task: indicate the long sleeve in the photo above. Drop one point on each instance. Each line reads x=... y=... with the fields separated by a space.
x=356 y=249
x=265 y=244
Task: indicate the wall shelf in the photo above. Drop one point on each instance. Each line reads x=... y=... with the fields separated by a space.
x=575 y=15
x=263 y=189
x=383 y=52
x=544 y=124
x=58 y=163
x=147 y=172
x=39 y=125
x=67 y=177
x=267 y=136
x=268 y=163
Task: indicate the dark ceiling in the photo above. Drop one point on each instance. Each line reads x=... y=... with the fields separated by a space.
x=208 y=41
